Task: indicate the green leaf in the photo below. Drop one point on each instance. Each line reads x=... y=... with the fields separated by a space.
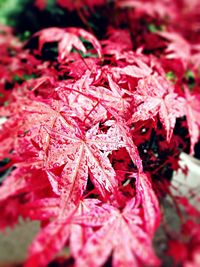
x=24 y=36
x=170 y=75
x=152 y=28
x=84 y=55
x=155 y=28
x=6 y=103
x=27 y=77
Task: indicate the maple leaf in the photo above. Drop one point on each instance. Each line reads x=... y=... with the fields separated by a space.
x=177 y=250
x=27 y=125
x=22 y=180
x=44 y=249
x=78 y=68
x=137 y=70
x=43 y=85
x=120 y=130
x=42 y=209
x=10 y=211
x=54 y=114
x=67 y=39
x=188 y=243
x=149 y=203
x=41 y=4
x=70 y=5
x=78 y=154
x=83 y=98
x=155 y=95
x=119 y=233
x=195 y=56
x=192 y=114
x=88 y=37
x=178 y=47
x=52 y=238
x=111 y=98
x=8 y=131
x=152 y=8
x=91 y=101
x=118 y=42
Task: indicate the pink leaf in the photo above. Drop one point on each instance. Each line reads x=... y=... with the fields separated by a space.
x=121 y=234
x=47 y=243
x=149 y=202
x=155 y=96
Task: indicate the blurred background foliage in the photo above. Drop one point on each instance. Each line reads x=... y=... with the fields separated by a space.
x=23 y=15
x=26 y=18
x=10 y=9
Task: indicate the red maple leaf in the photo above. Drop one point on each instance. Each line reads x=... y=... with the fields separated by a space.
x=78 y=154
x=23 y=180
x=119 y=233
x=60 y=228
x=152 y=8
x=67 y=39
x=41 y=4
x=118 y=42
x=177 y=47
x=149 y=203
x=192 y=112
x=155 y=95
x=71 y=5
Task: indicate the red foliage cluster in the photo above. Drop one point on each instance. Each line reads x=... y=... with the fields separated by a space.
x=90 y=128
